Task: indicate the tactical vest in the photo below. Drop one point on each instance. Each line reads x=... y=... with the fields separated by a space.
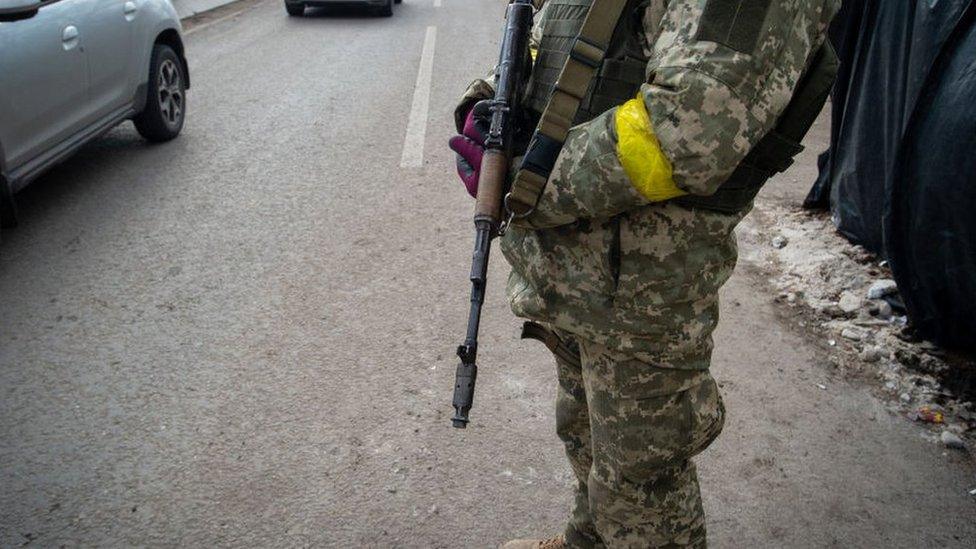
x=620 y=75
x=623 y=72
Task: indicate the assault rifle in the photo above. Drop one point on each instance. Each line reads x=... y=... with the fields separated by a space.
x=510 y=76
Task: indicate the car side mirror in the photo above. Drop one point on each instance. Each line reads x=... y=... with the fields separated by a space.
x=17 y=10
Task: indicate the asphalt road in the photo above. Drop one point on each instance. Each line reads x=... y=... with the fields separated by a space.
x=244 y=337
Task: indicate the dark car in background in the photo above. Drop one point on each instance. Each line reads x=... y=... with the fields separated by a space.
x=382 y=7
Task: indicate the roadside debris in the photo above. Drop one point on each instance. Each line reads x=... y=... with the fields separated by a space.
x=849 y=302
x=928 y=414
x=882 y=288
x=952 y=440
x=881 y=310
x=850 y=296
x=870 y=354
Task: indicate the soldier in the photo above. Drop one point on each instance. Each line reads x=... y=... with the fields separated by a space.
x=623 y=255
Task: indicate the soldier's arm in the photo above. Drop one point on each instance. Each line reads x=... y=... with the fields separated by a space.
x=476 y=91
x=718 y=83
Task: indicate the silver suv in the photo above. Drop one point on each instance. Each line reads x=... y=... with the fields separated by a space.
x=73 y=69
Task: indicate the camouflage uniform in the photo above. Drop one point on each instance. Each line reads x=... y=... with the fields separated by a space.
x=629 y=428
x=633 y=283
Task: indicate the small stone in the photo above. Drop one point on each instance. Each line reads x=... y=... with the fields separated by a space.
x=833 y=311
x=952 y=440
x=882 y=310
x=881 y=288
x=832 y=342
x=780 y=242
x=852 y=334
x=791 y=298
x=860 y=253
x=870 y=354
x=849 y=303
x=972 y=492
x=905 y=397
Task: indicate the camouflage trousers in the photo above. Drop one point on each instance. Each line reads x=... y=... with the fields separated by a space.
x=630 y=429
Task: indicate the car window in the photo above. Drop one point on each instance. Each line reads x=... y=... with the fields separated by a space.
x=11 y=7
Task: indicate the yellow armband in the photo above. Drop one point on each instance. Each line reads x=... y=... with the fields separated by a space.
x=640 y=153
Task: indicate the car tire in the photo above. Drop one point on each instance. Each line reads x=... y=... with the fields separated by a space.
x=387 y=10
x=294 y=9
x=8 y=208
x=165 y=110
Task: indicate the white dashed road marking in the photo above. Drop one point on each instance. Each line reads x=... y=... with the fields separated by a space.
x=413 y=144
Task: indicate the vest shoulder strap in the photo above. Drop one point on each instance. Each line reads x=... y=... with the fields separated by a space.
x=584 y=61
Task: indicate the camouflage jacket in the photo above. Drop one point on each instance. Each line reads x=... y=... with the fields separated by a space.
x=599 y=259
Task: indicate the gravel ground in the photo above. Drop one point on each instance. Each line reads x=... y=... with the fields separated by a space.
x=244 y=337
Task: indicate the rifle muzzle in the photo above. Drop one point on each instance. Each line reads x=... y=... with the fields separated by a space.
x=463 y=393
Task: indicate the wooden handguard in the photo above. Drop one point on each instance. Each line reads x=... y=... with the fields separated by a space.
x=491 y=186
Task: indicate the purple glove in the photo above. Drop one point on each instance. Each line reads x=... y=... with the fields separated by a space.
x=470 y=146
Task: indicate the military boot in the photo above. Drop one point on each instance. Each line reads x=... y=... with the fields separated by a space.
x=557 y=542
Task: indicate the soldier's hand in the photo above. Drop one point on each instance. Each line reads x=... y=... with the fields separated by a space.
x=470 y=146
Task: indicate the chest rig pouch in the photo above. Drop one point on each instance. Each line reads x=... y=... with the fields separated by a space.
x=591 y=58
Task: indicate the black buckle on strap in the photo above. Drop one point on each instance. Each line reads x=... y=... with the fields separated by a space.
x=540 y=157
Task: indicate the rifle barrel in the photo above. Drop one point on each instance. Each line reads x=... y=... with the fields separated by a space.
x=510 y=75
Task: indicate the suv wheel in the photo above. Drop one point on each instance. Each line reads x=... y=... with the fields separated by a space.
x=294 y=9
x=8 y=209
x=162 y=119
x=387 y=10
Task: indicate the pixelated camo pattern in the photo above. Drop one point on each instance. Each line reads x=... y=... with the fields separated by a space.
x=629 y=429
x=596 y=259
x=710 y=103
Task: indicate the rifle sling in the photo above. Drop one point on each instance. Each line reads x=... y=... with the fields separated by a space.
x=582 y=65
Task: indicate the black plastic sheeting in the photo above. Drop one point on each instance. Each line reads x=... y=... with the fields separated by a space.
x=900 y=176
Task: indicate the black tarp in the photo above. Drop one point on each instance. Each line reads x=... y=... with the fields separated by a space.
x=900 y=176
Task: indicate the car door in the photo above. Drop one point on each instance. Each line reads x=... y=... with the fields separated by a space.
x=109 y=48
x=43 y=80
